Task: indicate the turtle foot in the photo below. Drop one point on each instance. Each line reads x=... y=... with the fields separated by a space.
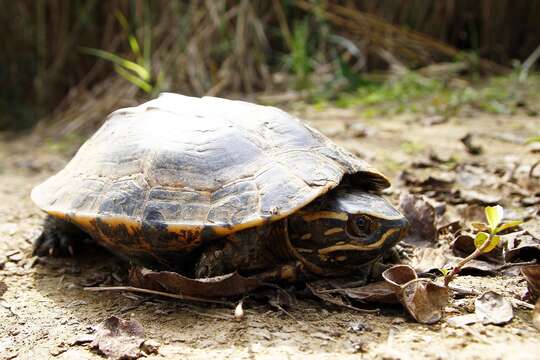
x=58 y=238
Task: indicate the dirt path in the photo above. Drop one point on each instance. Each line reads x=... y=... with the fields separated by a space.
x=45 y=313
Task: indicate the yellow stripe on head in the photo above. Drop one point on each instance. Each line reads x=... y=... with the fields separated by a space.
x=311 y=216
x=358 y=247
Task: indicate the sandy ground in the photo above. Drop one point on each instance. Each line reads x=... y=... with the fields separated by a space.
x=45 y=310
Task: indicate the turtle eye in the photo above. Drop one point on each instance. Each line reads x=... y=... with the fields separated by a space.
x=359 y=225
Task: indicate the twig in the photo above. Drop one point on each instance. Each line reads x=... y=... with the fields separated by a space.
x=155 y=292
x=527 y=64
x=522 y=303
x=280 y=308
x=472 y=256
x=463 y=291
x=509 y=265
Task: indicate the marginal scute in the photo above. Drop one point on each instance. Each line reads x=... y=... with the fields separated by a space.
x=196 y=169
x=125 y=197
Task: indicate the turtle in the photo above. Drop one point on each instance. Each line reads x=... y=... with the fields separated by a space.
x=209 y=186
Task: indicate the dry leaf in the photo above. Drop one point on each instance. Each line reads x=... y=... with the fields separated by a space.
x=476 y=197
x=532 y=276
x=479 y=267
x=172 y=282
x=489 y=308
x=422 y=298
x=523 y=248
x=119 y=339
x=493 y=308
x=425 y=300
x=426 y=260
x=536 y=315
x=319 y=289
x=422 y=217
x=532 y=227
x=377 y=292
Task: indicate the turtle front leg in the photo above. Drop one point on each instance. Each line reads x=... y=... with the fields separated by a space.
x=58 y=238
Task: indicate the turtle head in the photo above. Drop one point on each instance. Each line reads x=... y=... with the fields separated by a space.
x=344 y=230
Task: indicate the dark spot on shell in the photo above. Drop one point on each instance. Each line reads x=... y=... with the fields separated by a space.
x=114 y=234
x=207 y=233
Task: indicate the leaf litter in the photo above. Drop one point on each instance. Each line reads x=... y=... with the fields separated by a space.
x=489 y=308
x=117 y=338
x=437 y=240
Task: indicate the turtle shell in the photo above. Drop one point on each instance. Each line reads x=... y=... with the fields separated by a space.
x=182 y=170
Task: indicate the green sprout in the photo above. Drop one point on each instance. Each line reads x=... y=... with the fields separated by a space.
x=486 y=238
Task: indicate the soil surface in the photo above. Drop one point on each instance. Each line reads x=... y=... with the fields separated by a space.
x=45 y=313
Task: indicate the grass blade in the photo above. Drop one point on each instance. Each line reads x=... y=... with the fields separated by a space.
x=140 y=83
x=141 y=72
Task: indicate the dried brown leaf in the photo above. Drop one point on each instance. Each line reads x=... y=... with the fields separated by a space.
x=493 y=308
x=422 y=217
x=536 y=315
x=532 y=227
x=319 y=289
x=479 y=267
x=482 y=198
x=399 y=275
x=522 y=248
x=172 y=282
x=380 y=292
x=531 y=273
x=490 y=308
x=450 y=228
x=427 y=260
x=119 y=339
x=422 y=298
x=425 y=300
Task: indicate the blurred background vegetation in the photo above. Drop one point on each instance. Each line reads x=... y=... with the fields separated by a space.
x=70 y=62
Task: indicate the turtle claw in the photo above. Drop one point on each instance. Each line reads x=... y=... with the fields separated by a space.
x=58 y=238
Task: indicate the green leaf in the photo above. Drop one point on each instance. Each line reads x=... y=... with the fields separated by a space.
x=140 y=83
x=129 y=65
x=494 y=216
x=134 y=45
x=122 y=21
x=508 y=225
x=444 y=271
x=482 y=237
